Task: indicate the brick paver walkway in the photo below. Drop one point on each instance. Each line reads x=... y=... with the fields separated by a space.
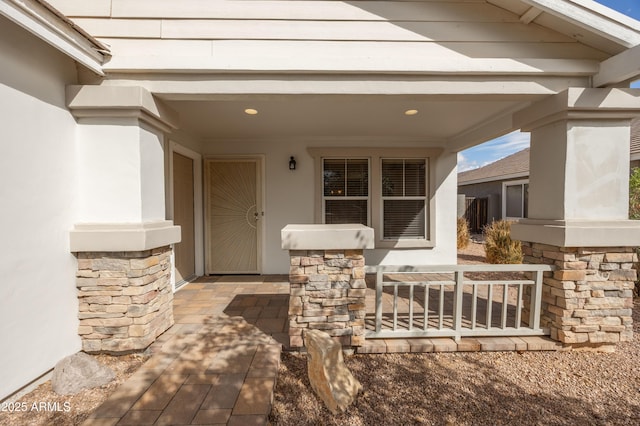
x=218 y=363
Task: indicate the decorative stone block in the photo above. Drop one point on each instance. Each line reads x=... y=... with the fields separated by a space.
x=330 y=296
x=587 y=299
x=125 y=299
x=329 y=377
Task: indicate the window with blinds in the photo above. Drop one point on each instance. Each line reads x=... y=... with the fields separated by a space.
x=345 y=190
x=404 y=198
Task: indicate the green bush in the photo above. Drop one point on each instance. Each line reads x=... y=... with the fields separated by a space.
x=634 y=194
x=463 y=233
x=634 y=207
x=498 y=245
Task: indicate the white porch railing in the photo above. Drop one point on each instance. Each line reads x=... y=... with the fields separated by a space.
x=456 y=301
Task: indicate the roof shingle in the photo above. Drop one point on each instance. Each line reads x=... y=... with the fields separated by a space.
x=515 y=164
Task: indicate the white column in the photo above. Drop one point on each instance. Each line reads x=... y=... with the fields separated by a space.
x=579 y=169
x=121 y=160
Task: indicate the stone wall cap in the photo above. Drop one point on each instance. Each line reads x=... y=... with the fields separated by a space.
x=578 y=233
x=327 y=237
x=112 y=237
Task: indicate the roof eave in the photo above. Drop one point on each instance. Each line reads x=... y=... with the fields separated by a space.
x=43 y=21
x=593 y=17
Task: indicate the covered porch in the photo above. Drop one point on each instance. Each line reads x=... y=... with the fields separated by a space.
x=223 y=152
x=218 y=363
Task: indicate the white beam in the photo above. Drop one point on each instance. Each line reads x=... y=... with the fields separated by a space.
x=486 y=131
x=530 y=15
x=620 y=68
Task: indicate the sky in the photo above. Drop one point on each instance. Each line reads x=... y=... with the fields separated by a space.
x=506 y=145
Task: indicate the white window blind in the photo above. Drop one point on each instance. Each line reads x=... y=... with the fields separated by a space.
x=346 y=190
x=404 y=198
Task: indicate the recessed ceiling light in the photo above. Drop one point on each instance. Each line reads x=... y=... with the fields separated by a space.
x=411 y=112
x=251 y=111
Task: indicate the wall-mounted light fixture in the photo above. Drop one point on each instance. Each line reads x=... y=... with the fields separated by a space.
x=292 y=163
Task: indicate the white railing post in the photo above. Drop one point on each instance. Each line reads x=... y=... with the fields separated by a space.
x=536 y=302
x=457 y=307
x=379 y=276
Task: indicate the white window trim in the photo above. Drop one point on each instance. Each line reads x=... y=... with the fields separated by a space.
x=424 y=198
x=375 y=156
x=345 y=198
x=521 y=182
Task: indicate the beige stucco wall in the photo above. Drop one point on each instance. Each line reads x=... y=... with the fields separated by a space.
x=38 y=318
x=290 y=198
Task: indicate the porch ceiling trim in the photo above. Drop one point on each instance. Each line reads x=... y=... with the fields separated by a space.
x=257 y=61
x=120 y=101
x=50 y=27
x=580 y=103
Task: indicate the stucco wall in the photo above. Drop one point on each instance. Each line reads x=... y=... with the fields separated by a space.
x=39 y=308
x=357 y=35
x=490 y=190
x=289 y=198
x=480 y=190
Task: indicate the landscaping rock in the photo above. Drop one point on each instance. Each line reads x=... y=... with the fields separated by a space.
x=78 y=372
x=330 y=378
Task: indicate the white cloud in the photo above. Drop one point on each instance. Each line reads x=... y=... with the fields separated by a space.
x=493 y=150
x=464 y=164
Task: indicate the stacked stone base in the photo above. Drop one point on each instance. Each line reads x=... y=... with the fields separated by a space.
x=125 y=299
x=327 y=293
x=588 y=299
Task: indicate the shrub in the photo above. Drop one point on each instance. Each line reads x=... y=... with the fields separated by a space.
x=463 y=233
x=498 y=246
x=634 y=194
x=634 y=208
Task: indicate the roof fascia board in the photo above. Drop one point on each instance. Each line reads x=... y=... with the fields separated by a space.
x=593 y=17
x=619 y=69
x=32 y=16
x=494 y=178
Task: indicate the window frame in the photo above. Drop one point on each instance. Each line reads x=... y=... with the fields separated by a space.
x=375 y=204
x=346 y=197
x=521 y=183
x=424 y=197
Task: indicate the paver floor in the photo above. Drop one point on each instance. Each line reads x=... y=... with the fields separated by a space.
x=216 y=365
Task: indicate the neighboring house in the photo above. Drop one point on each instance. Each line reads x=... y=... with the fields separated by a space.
x=147 y=142
x=503 y=186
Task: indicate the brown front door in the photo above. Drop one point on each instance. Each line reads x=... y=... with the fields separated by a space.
x=183 y=215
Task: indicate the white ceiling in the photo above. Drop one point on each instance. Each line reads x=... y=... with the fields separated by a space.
x=335 y=116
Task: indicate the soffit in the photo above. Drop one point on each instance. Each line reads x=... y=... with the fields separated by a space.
x=336 y=117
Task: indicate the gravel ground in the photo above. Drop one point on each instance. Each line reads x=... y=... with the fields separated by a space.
x=488 y=388
x=43 y=406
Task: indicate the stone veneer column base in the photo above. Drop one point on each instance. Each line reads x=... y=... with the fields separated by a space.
x=587 y=300
x=125 y=299
x=327 y=293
